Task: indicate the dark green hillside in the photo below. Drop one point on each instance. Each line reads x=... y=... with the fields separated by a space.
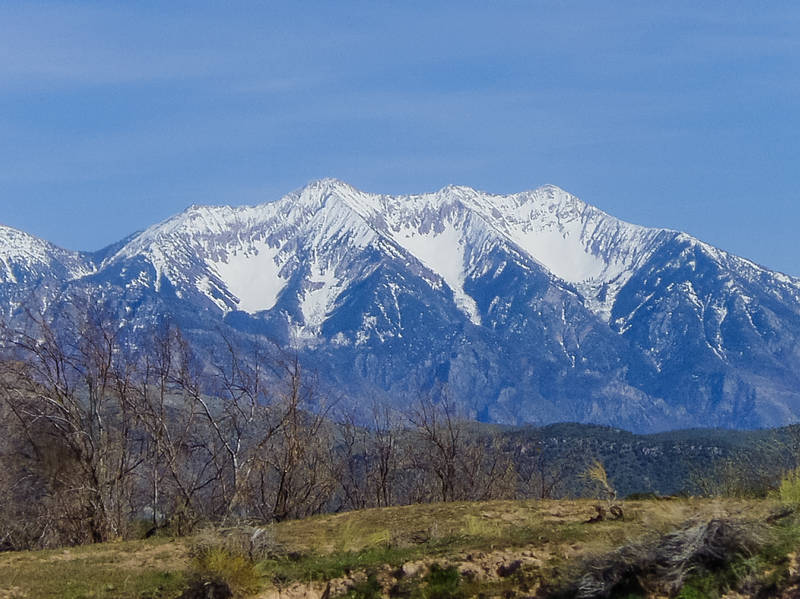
x=664 y=463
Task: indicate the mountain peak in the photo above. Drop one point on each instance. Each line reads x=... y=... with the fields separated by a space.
x=21 y=253
x=486 y=293
x=16 y=243
x=327 y=184
x=456 y=189
x=552 y=189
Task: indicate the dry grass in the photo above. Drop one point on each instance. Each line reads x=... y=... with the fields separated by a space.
x=493 y=520
x=553 y=531
x=661 y=565
x=153 y=568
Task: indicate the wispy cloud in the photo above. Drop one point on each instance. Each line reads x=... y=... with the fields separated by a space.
x=168 y=103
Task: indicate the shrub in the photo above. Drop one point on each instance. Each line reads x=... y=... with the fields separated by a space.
x=663 y=564
x=253 y=542
x=227 y=560
x=441 y=583
x=365 y=589
x=789 y=489
x=597 y=476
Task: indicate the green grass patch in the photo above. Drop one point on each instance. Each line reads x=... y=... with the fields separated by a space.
x=366 y=589
x=789 y=489
x=83 y=580
x=441 y=583
x=313 y=566
x=152 y=569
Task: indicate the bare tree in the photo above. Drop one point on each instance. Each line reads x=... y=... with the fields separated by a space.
x=24 y=521
x=462 y=465
x=384 y=462
x=266 y=434
x=295 y=477
x=368 y=457
x=69 y=394
x=351 y=462
x=441 y=441
x=181 y=467
x=544 y=474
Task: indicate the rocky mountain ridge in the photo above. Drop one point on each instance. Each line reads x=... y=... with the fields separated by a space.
x=529 y=307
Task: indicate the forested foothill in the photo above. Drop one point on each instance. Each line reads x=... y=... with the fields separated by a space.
x=107 y=439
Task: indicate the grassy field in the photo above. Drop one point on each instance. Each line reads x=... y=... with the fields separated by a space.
x=499 y=548
x=151 y=568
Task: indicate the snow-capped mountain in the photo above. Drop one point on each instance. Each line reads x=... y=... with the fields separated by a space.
x=33 y=270
x=529 y=307
x=220 y=250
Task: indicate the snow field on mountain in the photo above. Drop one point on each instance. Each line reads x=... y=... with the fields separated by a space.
x=443 y=253
x=330 y=266
x=323 y=287
x=561 y=252
x=253 y=276
x=445 y=230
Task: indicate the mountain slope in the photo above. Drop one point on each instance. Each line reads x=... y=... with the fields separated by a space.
x=32 y=270
x=722 y=332
x=529 y=307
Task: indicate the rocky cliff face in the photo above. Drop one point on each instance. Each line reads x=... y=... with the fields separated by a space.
x=531 y=307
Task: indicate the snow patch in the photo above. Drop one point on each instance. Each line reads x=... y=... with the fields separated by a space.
x=253 y=276
x=205 y=287
x=560 y=250
x=320 y=295
x=444 y=253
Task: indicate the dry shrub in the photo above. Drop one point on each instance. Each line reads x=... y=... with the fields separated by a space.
x=228 y=559
x=217 y=567
x=256 y=543
x=476 y=526
x=662 y=565
x=596 y=474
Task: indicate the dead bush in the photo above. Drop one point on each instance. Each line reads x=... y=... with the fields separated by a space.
x=255 y=543
x=662 y=565
x=225 y=561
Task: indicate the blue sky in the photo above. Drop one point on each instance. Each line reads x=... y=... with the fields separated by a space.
x=116 y=115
